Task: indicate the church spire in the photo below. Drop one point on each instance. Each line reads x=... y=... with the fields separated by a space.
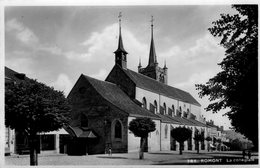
x=120 y=47
x=152 y=54
x=120 y=53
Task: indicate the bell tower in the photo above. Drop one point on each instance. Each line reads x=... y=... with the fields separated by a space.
x=153 y=70
x=120 y=53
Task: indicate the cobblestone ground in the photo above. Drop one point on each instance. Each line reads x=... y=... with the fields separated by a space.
x=156 y=158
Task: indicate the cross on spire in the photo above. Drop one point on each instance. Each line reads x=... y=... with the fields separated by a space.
x=119 y=17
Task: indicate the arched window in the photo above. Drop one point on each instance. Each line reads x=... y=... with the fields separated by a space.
x=173 y=110
x=155 y=106
x=118 y=130
x=166 y=131
x=164 y=108
x=188 y=111
x=180 y=112
x=144 y=103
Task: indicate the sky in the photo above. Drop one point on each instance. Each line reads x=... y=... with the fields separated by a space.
x=56 y=44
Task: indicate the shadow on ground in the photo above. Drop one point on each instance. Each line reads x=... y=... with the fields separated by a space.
x=162 y=153
x=111 y=157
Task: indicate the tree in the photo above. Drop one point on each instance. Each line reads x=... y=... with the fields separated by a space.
x=141 y=127
x=208 y=138
x=32 y=107
x=219 y=142
x=198 y=137
x=236 y=87
x=181 y=134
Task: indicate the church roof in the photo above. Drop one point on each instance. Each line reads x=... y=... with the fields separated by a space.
x=113 y=94
x=183 y=121
x=186 y=121
x=145 y=82
x=198 y=123
x=166 y=119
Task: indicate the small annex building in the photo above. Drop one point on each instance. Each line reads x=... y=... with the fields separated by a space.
x=17 y=142
x=104 y=109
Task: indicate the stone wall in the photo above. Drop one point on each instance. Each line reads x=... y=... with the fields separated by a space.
x=118 y=77
x=100 y=116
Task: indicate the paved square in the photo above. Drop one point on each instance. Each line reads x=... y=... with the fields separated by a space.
x=157 y=158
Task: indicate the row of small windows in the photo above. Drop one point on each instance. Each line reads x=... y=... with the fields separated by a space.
x=171 y=111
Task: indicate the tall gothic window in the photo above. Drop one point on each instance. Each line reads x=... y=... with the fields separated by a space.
x=164 y=108
x=173 y=110
x=155 y=106
x=118 y=130
x=144 y=103
x=180 y=112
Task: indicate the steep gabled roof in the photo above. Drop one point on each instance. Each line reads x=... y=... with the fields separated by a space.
x=150 y=84
x=113 y=94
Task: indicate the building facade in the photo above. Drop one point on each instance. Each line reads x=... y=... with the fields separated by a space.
x=16 y=142
x=105 y=108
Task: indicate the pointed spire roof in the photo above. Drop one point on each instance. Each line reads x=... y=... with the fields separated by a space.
x=120 y=47
x=152 y=54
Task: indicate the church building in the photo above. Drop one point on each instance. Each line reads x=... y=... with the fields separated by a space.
x=102 y=110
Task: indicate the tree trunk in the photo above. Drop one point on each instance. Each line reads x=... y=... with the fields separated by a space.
x=180 y=148
x=33 y=151
x=208 y=145
x=198 y=147
x=141 y=152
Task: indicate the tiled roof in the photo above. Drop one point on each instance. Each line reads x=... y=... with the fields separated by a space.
x=164 y=118
x=184 y=121
x=198 y=123
x=118 y=98
x=145 y=82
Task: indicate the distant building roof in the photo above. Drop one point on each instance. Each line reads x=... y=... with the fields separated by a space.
x=11 y=75
x=148 y=83
x=113 y=94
